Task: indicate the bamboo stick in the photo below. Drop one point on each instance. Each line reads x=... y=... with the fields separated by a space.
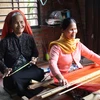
x=86 y=77
x=34 y=81
x=19 y=69
x=93 y=78
x=52 y=91
x=39 y=84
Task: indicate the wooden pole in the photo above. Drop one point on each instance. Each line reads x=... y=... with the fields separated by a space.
x=39 y=84
x=93 y=78
x=86 y=77
x=19 y=69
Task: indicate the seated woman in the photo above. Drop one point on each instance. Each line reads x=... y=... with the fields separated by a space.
x=65 y=53
x=17 y=48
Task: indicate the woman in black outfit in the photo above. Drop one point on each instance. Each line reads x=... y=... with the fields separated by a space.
x=17 y=48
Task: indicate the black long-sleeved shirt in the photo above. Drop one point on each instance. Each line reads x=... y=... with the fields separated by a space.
x=12 y=47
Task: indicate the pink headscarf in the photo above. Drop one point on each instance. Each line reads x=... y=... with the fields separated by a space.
x=7 y=29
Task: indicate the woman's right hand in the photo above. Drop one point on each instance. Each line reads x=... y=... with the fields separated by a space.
x=7 y=72
x=62 y=81
x=34 y=60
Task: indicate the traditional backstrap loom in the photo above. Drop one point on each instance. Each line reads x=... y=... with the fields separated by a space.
x=87 y=78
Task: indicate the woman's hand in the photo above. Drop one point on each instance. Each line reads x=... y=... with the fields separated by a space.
x=62 y=81
x=34 y=60
x=7 y=72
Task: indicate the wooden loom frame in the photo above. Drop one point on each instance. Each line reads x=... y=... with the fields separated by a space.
x=80 y=81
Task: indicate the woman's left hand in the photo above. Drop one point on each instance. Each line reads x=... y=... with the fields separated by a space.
x=34 y=60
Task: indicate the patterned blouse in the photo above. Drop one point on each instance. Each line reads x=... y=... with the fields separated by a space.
x=12 y=47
